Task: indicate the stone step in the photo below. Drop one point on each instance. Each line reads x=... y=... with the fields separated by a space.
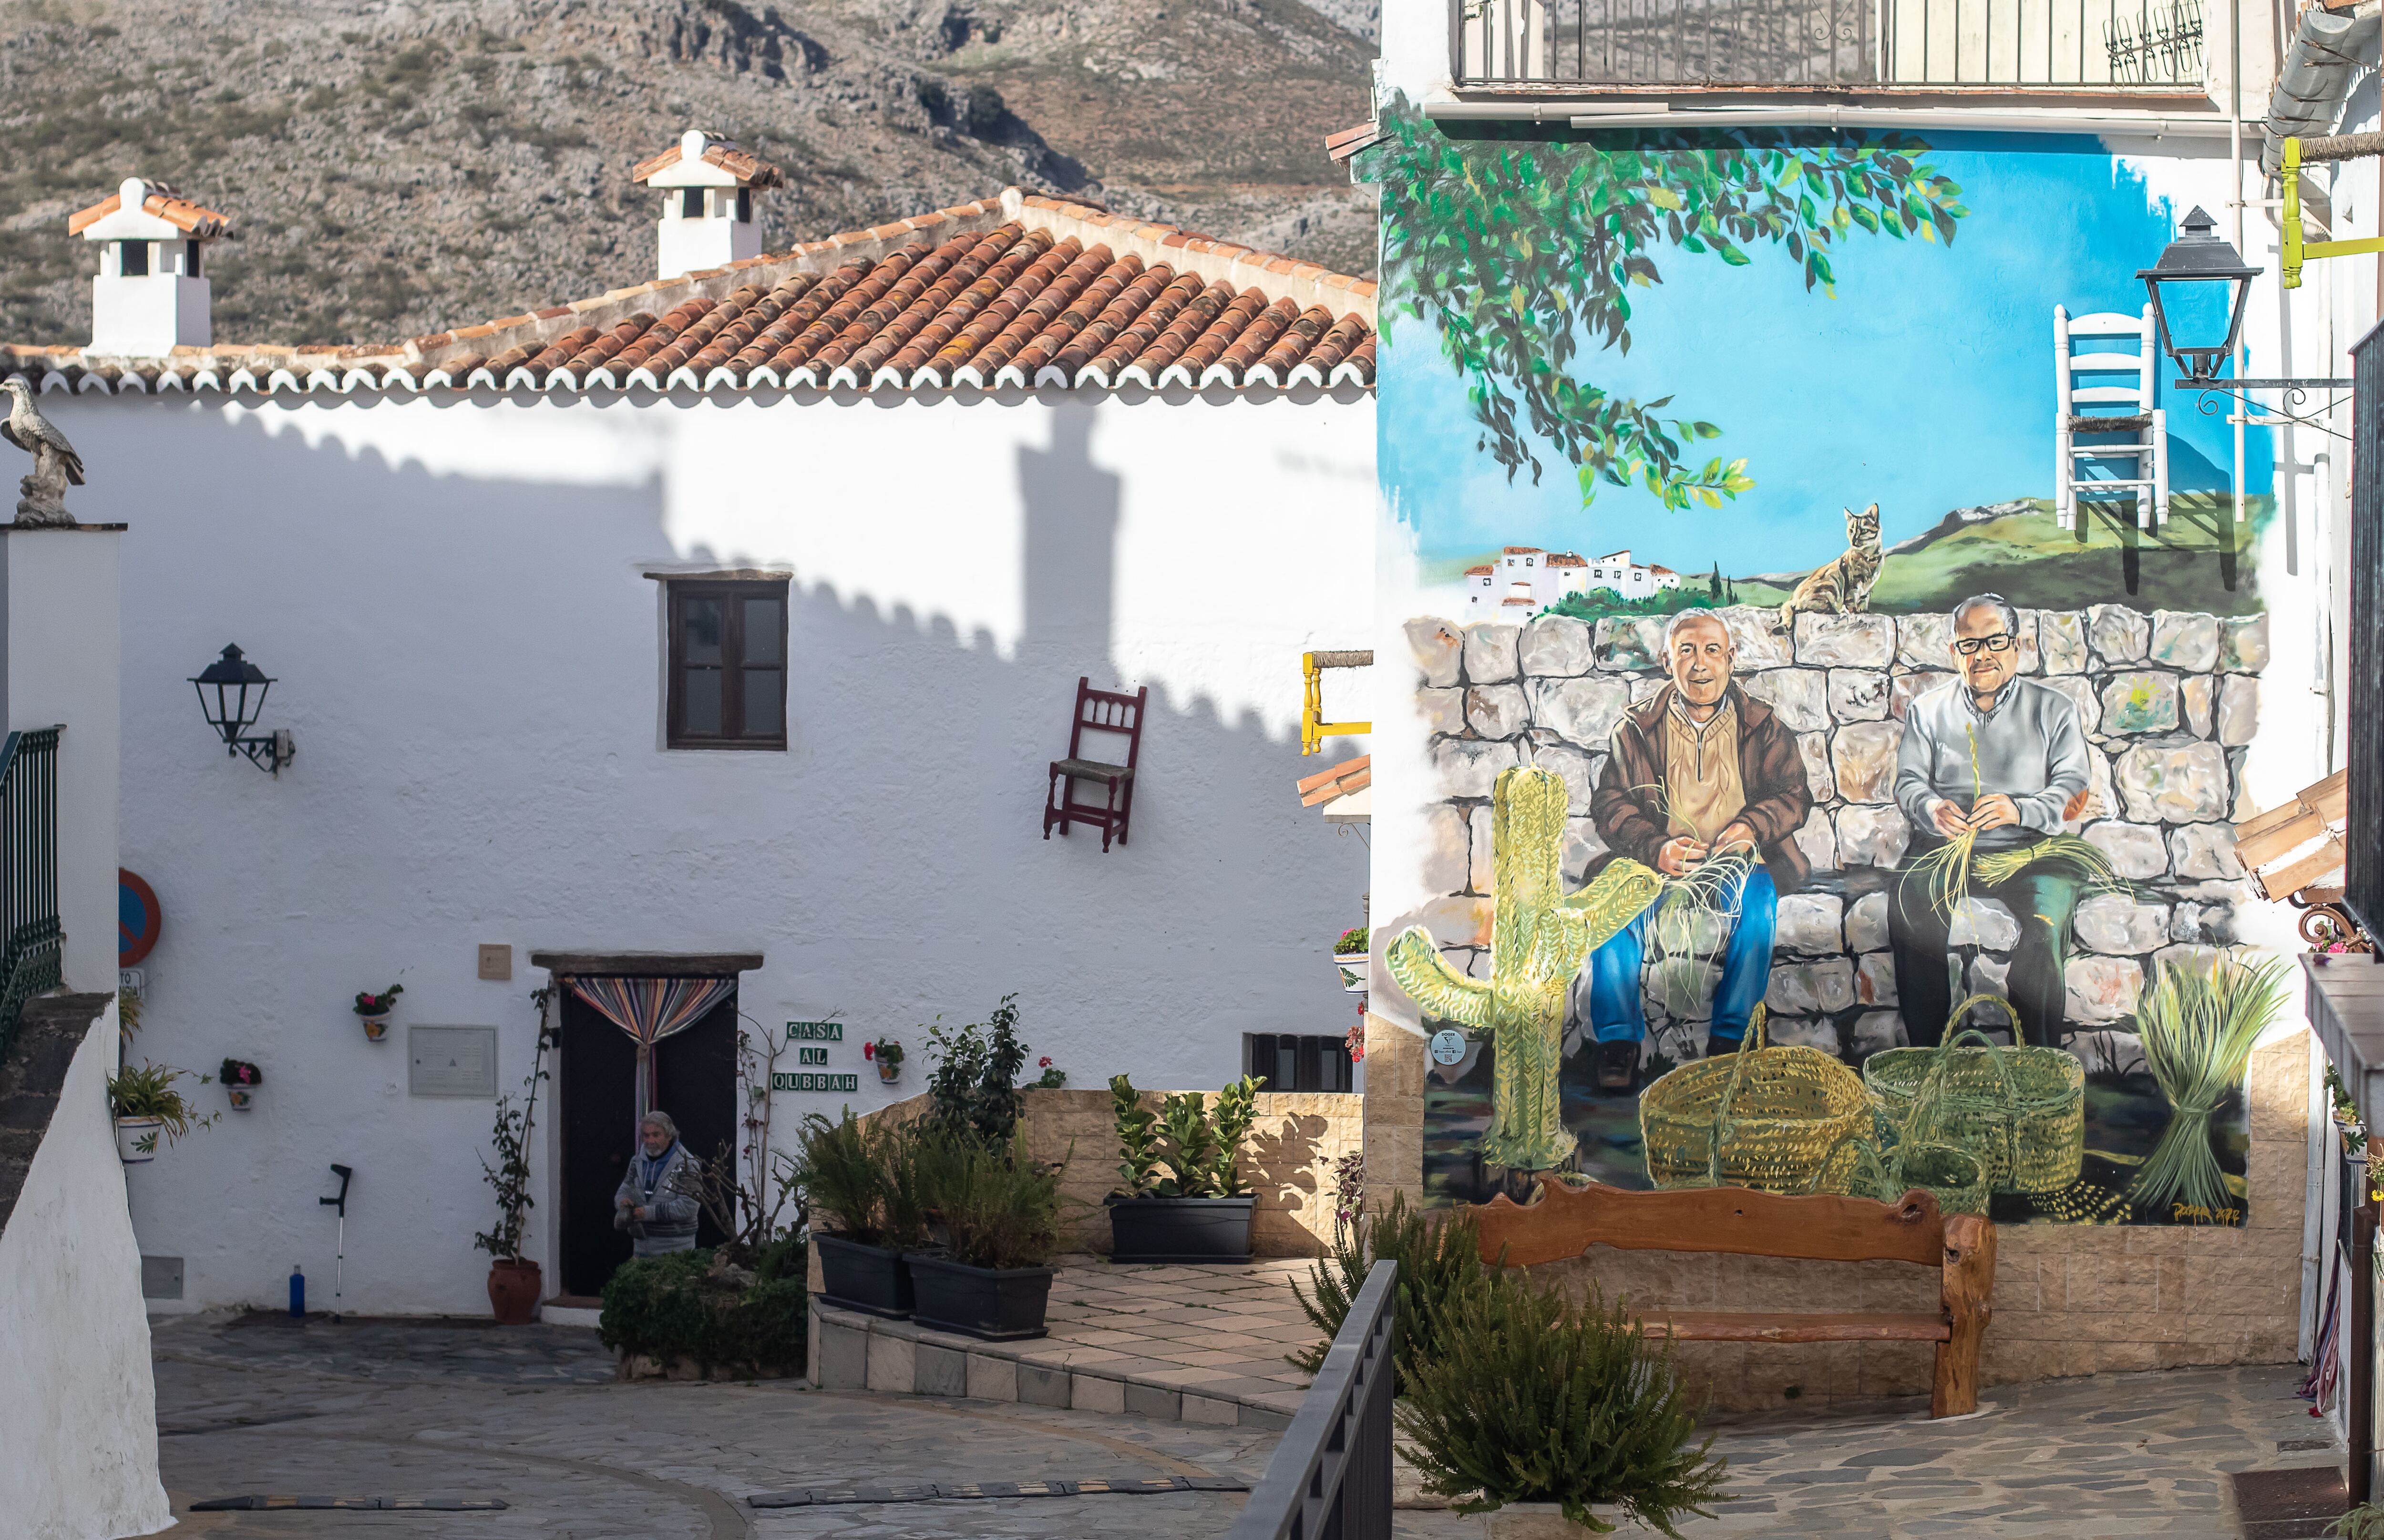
x=852 y=1351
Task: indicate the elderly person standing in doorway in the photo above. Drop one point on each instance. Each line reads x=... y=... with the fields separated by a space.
x=1698 y=768
x=657 y=1202
x=2003 y=758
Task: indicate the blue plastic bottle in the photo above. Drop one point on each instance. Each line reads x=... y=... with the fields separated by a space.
x=297 y=1294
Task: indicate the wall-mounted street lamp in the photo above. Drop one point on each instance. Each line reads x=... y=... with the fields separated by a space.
x=2197 y=257
x=232 y=692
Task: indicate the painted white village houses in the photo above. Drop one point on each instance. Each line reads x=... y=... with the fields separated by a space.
x=1525 y=579
x=723 y=626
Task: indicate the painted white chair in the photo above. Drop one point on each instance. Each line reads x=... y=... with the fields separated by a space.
x=2104 y=412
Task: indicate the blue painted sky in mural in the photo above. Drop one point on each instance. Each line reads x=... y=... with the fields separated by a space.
x=1925 y=385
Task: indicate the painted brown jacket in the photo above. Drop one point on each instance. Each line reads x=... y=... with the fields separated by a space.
x=1771 y=772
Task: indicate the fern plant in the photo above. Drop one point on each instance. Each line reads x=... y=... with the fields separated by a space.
x=1531 y=1396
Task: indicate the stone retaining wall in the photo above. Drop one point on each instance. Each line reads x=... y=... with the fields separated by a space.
x=2168 y=699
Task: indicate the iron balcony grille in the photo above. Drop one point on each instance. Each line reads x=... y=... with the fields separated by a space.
x=31 y=939
x=2057 y=44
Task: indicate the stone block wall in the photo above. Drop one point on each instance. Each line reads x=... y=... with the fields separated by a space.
x=2168 y=699
x=1288 y=1160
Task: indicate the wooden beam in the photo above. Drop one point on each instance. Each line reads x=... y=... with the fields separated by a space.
x=2258 y=850
x=648 y=964
x=1745 y=1326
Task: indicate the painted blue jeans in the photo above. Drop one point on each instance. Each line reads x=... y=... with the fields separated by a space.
x=1616 y=1015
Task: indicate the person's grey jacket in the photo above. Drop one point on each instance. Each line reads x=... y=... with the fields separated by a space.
x=671 y=1207
x=2030 y=747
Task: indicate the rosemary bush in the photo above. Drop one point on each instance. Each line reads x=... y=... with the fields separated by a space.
x=1440 y=1263
x=1533 y=1398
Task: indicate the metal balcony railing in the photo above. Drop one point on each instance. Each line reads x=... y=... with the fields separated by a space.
x=32 y=944
x=2027 y=45
x=1329 y=1478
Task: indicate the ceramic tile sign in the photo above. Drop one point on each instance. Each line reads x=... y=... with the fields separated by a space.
x=798 y=1080
x=814 y=1032
x=452 y=1060
x=1822 y=646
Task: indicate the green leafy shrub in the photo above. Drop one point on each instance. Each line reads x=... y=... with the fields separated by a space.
x=1533 y=1398
x=680 y=1306
x=999 y=1209
x=1138 y=1136
x=1352 y=940
x=1202 y=1155
x=973 y=1089
x=1440 y=1263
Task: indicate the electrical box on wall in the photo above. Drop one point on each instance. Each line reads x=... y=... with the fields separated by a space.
x=453 y=1061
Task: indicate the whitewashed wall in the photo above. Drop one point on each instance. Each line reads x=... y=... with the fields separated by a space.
x=79 y=1420
x=455 y=599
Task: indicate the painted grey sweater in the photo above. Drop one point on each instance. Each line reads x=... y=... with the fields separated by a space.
x=670 y=1202
x=2030 y=747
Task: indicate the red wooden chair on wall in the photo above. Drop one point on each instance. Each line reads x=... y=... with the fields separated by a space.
x=1098 y=711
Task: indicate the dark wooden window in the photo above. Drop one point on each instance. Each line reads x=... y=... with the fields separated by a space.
x=729 y=664
x=1298 y=1063
x=2363 y=703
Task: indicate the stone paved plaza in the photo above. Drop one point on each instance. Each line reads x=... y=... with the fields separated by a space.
x=533 y=1416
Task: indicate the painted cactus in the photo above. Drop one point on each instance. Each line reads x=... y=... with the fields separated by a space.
x=1539 y=936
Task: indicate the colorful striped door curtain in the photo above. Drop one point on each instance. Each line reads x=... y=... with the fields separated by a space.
x=649 y=1010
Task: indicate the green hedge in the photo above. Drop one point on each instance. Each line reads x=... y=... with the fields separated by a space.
x=669 y=1308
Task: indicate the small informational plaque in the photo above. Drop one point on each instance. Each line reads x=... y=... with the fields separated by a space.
x=814 y=1032
x=799 y=1081
x=453 y=1061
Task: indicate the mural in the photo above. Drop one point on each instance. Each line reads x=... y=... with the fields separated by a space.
x=1831 y=777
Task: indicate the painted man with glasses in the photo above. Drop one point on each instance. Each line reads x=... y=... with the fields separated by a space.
x=2005 y=757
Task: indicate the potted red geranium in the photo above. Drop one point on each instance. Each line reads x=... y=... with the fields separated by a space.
x=373 y=1009
x=240 y=1080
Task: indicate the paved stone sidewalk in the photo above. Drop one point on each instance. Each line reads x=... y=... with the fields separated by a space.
x=531 y=1416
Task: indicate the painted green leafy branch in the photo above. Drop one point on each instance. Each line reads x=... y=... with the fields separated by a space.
x=1518 y=248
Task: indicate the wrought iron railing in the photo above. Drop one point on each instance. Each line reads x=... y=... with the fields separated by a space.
x=1329 y=1478
x=31 y=956
x=2029 y=45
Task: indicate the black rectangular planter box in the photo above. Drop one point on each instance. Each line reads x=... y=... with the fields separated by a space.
x=999 y=1304
x=865 y=1278
x=1181 y=1229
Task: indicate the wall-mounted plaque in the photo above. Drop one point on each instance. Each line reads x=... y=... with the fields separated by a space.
x=453 y=1061
x=814 y=1032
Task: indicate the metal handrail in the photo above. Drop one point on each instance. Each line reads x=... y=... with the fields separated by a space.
x=1329 y=1478
x=32 y=944
x=2117 y=45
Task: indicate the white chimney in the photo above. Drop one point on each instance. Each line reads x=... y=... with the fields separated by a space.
x=708 y=187
x=151 y=294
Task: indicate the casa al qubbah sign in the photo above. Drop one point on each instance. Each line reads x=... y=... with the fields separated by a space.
x=814 y=1033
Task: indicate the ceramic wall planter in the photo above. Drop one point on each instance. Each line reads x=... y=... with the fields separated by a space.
x=888 y=1072
x=1180 y=1229
x=998 y=1304
x=376 y=1027
x=865 y=1278
x=241 y=1097
x=131 y=1134
x=514 y=1291
x=1351 y=966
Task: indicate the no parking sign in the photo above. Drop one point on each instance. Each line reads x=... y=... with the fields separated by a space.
x=138 y=918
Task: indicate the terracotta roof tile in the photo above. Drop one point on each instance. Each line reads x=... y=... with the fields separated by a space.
x=167 y=205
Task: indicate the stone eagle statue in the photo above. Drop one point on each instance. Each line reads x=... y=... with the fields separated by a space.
x=57 y=467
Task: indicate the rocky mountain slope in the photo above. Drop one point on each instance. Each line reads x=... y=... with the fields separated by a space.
x=399 y=167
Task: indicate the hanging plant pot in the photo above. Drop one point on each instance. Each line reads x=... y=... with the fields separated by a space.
x=514 y=1290
x=1351 y=966
x=865 y=1278
x=376 y=1027
x=1180 y=1229
x=888 y=1072
x=998 y=1304
x=136 y=1139
x=241 y=1097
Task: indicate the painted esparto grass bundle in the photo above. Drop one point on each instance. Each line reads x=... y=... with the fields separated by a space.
x=2068 y=853
x=1707 y=900
x=2198 y=1027
x=2020 y=1111
x=1785 y=1120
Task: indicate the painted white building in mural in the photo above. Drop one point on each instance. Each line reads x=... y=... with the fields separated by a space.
x=1524 y=581
x=725 y=623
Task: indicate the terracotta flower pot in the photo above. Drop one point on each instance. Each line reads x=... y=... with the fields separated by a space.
x=514 y=1290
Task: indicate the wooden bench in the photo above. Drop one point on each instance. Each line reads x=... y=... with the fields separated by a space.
x=1565 y=1221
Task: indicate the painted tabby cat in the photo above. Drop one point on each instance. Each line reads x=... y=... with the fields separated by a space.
x=1844 y=586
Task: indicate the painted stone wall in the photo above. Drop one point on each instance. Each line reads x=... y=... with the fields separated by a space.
x=2169 y=701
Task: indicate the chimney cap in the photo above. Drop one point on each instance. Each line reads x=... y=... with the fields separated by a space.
x=702 y=159
x=148 y=211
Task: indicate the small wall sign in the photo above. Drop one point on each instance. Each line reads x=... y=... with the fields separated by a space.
x=798 y=1081
x=814 y=1032
x=1447 y=1046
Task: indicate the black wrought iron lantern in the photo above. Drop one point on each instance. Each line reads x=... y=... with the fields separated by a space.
x=231 y=695
x=2198 y=256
